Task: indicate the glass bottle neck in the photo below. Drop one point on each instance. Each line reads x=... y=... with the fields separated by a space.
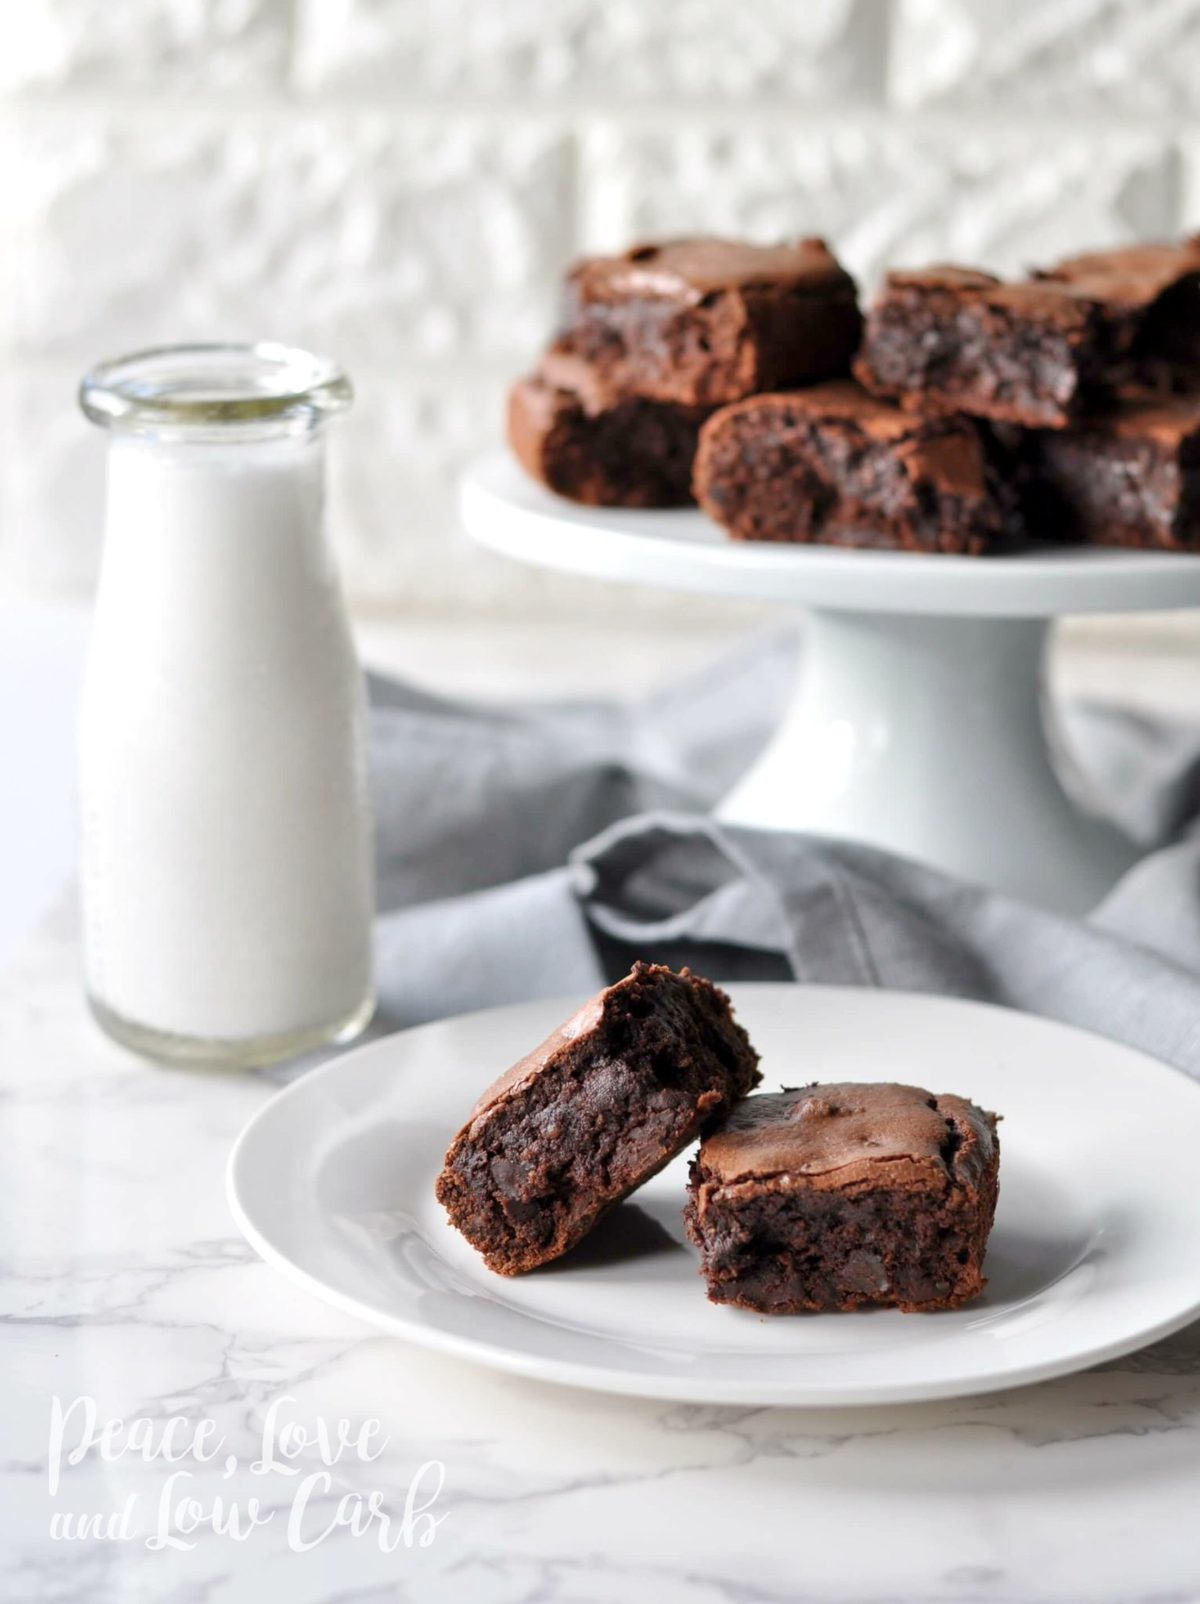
x=216 y=477
x=202 y=393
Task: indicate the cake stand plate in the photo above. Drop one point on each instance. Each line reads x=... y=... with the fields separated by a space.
x=917 y=722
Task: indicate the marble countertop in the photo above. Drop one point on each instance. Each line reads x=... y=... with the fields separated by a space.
x=244 y=1443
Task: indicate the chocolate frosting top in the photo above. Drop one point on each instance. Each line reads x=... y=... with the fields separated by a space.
x=842 y=1134
x=1132 y=276
x=689 y=269
x=842 y=399
x=941 y=275
x=945 y=449
x=1042 y=296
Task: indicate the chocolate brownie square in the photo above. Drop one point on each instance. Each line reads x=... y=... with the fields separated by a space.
x=949 y=339
x=1038 y=351
x=630 y=453
x=835 y=1196
x=592 y=1113
x=701 y=322
x=1150 y=301
x=835 y=465
x=1127 y=477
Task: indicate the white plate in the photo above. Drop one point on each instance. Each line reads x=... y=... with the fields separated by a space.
x=1095 y=1249
x=504 y=509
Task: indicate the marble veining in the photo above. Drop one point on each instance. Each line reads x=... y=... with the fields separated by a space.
x=123 y=1280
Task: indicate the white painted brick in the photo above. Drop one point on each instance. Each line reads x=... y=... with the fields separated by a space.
x=374 y=239
x=630 y=49
x=395 y=465
x=121 y=44
x=1134 y=54
x=51 y=484
x=883 y=192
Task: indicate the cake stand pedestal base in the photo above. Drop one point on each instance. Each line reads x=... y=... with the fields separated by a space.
x=929 y=736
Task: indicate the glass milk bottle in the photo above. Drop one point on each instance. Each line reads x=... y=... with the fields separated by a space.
x=226 y=856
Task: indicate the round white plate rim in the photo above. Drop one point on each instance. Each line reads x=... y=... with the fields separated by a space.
x=592 y=1377
x=681 y=549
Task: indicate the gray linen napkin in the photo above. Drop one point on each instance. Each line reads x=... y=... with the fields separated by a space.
x=536 y=851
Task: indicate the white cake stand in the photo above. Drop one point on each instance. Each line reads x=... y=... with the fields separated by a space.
x=917 y=721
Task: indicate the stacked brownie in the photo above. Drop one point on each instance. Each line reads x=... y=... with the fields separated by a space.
x=1129 y=476
x=653 y=341
x=987 y=414
x=1091 y=370
x=834 y=464
x=1042 y=352
x=983 y=414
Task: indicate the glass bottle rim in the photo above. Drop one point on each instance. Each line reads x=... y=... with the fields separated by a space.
x=211 y=388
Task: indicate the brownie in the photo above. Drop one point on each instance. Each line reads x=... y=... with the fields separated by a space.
x=836 y=1196
x=702 y=322
x=1150 y=300
x=597 y=1109
x=1038 y=351
x=949 y=339
x=630 y=453
x=1127 y=477
x=835 y=465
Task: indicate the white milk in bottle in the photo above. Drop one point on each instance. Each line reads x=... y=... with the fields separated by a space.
x=226 y=857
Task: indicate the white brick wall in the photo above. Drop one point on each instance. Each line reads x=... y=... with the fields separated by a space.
x=886 y=190
x=115 y=45
x=401 y=181
x=622 y=50
x=366 y=234
x=1089 y=55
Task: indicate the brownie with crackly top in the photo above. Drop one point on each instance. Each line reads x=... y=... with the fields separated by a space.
x=837 y=1196
x=1039 y=351
x=607 y=1100
x=702 y=322
x=837 y=466
x=1149 y=296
